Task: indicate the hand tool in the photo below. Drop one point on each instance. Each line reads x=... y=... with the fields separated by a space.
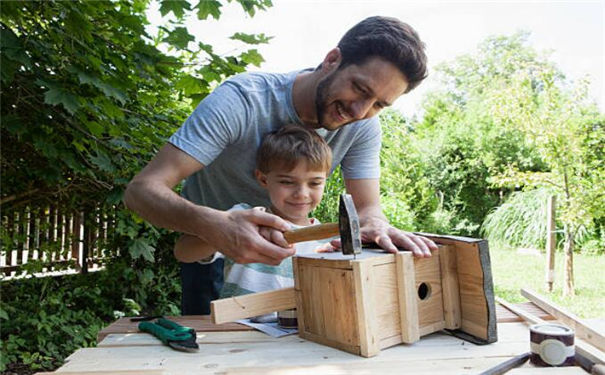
x=172 y=334
x=347 y=227
x=507 y=365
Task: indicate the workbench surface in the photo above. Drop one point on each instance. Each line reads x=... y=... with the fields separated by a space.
x=253 y=352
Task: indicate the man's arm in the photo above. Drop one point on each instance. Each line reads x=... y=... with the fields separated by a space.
x=235 y=233
x=375 y=226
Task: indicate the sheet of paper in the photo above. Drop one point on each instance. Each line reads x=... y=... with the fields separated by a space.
x=271 y=329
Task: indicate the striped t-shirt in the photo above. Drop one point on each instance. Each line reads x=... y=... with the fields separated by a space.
x=257 y=277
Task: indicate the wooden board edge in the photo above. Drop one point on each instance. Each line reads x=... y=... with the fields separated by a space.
x=246 y=306
x=364 y=298
x=488 y=289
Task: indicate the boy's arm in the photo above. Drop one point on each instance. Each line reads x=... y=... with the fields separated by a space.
x=189 y=249
x=374 y=225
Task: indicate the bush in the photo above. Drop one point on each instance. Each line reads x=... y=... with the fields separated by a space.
x=46 y=319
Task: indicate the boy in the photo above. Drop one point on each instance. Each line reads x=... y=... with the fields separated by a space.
x=292 y=164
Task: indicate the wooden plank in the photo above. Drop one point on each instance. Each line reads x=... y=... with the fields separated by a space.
x=246 y=306
x=338 y=305
x=449 y=283
x=201 y=323
x=433 y=351
x=506 y=316
x=386 y=306
x=366 y=304
x=582 y=330
x=478 y=309
x=203 y=338
x=395 y=367
x=338 y=260
x=547 y=371
x=408 y=307
x=429 y=295
x=112 y=372
x=582 y=347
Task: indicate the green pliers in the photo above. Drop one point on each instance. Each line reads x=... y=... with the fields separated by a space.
x=172 y=334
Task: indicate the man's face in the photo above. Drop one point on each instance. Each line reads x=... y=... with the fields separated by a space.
x=357 y=92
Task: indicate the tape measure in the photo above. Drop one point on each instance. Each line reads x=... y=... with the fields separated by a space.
x=552 y=344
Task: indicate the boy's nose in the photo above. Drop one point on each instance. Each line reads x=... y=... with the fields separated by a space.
x=301 y=191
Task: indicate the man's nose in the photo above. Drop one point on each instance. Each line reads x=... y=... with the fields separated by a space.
x=360 y=108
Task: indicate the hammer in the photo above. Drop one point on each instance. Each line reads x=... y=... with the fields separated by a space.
x=347 y=226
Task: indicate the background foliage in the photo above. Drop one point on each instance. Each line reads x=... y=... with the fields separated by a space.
x=88 y=96
x=90 y=92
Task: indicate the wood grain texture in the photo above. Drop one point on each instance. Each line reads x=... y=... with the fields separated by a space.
x=366 y=304
x=312 y=232
x=408 y=306
x=478 y=309
x=201 y=323
x=249 y=353
x=449 y=283
x=430 y=306
x=246 y=306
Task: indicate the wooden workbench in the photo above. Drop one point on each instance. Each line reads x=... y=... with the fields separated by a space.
x=235 y=349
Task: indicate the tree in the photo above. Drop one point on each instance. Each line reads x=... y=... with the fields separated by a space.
x=569 y=133
x=462 y=145
x=507 y=119
x=87 y=98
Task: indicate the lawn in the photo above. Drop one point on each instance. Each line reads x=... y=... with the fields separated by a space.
x=513 y=270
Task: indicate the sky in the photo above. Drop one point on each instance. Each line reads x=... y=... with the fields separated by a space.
x=305 y=30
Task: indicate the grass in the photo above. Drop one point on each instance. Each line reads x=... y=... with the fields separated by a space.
x=513 y=270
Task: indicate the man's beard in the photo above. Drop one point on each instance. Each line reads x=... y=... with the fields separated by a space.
x=321 y=98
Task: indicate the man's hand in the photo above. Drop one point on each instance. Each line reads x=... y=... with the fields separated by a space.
x=374 y=225
x=240 y=236
x=390 y=238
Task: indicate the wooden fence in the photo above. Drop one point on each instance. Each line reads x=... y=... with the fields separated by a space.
x=55 y=240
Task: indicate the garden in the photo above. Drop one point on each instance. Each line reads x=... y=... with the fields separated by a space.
x=89 y=95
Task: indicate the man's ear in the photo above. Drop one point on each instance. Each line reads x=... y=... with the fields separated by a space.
x=332 y=60
x=261 y=178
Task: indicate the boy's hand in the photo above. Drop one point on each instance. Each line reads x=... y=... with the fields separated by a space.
x=272 y=234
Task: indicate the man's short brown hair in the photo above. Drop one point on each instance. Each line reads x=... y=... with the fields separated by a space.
x=284 y=148
x=387 y=38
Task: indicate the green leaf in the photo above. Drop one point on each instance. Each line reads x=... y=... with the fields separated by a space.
x=95 y=128
x=251 y=38
x=191 y=85
x=252 y=57
x=207 y=8
x=56 y=96
x=102 y=161
x=178 y=7
x=141 y=248
x=179 y=37
x=11 y=47
x=113 y=92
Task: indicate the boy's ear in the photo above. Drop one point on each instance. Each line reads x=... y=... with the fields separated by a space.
x=261 y=178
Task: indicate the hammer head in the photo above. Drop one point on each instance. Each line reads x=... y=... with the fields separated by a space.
x=348 y=225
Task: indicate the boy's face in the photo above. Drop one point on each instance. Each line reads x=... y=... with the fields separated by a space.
x=294 y=193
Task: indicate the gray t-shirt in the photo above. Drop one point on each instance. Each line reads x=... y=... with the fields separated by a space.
x=226 y=129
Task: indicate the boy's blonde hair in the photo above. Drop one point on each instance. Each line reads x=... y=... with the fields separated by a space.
x=284 y=148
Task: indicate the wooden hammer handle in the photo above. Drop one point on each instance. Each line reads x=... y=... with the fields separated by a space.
x=313 y=232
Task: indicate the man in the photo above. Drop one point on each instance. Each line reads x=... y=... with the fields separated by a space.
x=376 y=61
